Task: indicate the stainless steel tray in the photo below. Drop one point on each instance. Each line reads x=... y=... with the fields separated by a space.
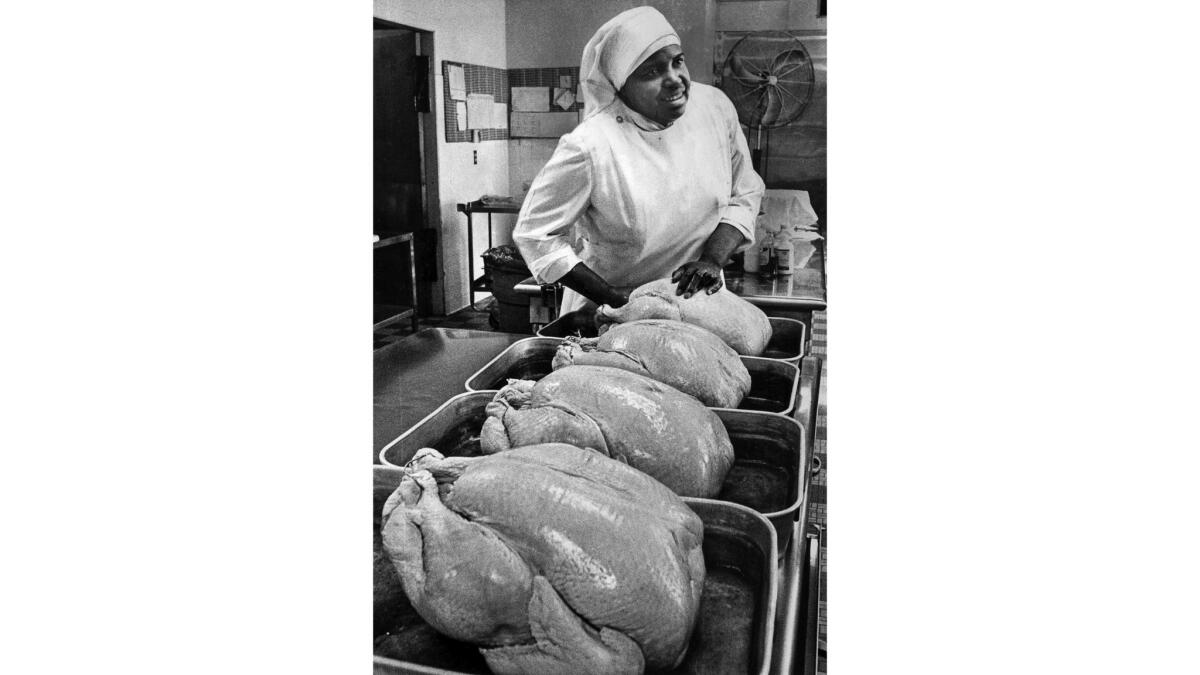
x=452 y=429
x=735 y=632
x=809 y=650
x=787 y=335
x=773 y=383
x=769 y=466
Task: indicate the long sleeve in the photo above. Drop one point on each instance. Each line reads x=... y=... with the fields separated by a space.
x=558 y=197
x=747 y=186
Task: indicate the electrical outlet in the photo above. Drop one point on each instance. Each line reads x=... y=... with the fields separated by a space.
x=474 y=156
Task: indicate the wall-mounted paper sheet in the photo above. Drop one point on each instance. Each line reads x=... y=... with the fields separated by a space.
x=564 y=81
x=564 y=98
x=479 y=111
x=530 y=99
x=460 y=111
x=560 y=123
x=500 y=116
x=542 y=125
x=523 y=125
x=458 y=84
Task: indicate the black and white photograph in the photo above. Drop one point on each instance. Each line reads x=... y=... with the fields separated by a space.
x=599 y=342
x=608 y=250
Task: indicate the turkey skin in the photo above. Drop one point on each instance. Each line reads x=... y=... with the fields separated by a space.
x=649 y=425
x=549 y=558
x=691 y=359
x=740 y=324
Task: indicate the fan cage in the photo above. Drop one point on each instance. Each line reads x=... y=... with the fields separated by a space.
x=769 y=77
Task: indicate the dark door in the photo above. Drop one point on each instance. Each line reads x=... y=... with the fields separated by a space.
x=397 y=135
x=400 y=84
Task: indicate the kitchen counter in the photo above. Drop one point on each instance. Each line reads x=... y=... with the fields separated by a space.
x=802 y=290
x=415 y=375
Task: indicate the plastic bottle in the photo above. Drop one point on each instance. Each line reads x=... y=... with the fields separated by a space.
x=784 y=252
x=766 y=258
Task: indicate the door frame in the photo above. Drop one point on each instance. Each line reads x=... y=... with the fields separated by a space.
x=427 y=131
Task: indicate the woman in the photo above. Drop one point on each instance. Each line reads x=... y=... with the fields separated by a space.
x=656 y=181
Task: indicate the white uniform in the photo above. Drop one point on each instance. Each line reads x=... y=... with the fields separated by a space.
x=634 y=200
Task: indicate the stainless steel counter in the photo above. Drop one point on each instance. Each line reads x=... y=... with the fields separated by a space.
x=415 y=375
x=802 y=290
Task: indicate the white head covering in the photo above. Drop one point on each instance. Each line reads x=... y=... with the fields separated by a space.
x=617 y=49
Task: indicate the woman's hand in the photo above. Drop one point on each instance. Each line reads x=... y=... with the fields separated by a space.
x=698 y=275
x=705 y=274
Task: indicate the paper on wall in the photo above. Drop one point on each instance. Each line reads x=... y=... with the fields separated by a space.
x=564 y=98
x=500 y=116
x=564 y=81
x=479 y=111
x=542 y=125
x=460 y=111
x=560 y=123
x=458 y=84
x=530 y=99
x=788 y=209
x=523 y=124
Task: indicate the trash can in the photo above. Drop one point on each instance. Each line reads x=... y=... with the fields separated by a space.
x=506 y=268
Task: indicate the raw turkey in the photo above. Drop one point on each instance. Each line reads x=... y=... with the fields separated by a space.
x=549 y=558
x=740 y=324
x=649 y=425
x=691 y=359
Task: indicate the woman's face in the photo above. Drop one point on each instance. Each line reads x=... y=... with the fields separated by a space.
x=658 y=88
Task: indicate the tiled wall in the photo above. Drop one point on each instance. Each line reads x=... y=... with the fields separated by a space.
x=479 y=80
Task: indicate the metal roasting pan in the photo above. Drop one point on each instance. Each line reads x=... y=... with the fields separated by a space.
x=809 y=650
x=768 y=474
x=787 y=616
x=734 y=634
x=773 y=383
x=787 y=335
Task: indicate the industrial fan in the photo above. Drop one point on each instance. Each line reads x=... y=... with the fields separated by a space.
x=769 y=77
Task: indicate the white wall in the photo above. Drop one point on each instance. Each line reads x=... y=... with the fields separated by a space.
x=755 y=15
x=467 y=31
x=549 y=34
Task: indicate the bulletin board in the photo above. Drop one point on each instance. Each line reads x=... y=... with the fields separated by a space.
x=555 y=119
x=478 y=80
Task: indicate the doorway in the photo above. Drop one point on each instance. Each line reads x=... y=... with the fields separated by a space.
x=403 y=163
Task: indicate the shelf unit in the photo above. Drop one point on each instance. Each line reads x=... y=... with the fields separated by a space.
x=481 y=284
x=387 y=314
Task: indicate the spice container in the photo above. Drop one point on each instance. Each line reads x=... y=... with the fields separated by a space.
x=784 y=253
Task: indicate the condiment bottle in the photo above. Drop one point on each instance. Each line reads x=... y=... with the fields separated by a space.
x=784 y=253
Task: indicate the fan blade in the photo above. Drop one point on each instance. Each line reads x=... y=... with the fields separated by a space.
x=771 y=108
x=784 y=73
x=753 y=114
x=803 y=78
x=785 y=92
x=789 y=111
x=791 y=57
x=739 y=70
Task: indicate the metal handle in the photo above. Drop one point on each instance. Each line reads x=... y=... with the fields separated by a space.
x=816 y=465
x=812 y=598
